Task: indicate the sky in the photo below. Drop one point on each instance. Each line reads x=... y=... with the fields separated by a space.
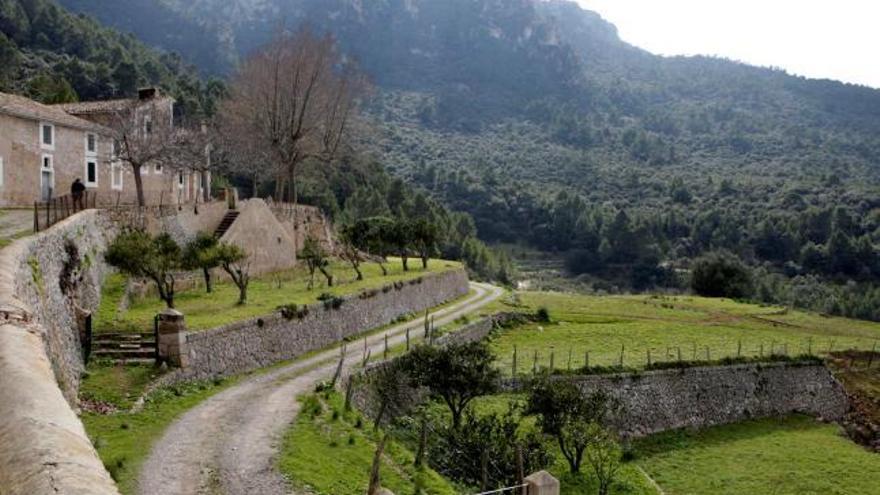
x=833 y=39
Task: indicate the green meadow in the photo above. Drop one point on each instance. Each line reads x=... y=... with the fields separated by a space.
x=602 y=328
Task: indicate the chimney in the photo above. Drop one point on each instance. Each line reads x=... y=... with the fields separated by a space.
x=148 y=94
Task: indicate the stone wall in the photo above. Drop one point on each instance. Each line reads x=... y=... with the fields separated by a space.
x=302 y=221
x=55 y=278
x=261 y=342
x=480 y=329
x=182 y=223
x=657 y=401
x=45 y=285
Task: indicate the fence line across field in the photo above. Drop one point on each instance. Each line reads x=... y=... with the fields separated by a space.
x=563 y=358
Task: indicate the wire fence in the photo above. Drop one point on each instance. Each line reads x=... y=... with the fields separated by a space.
x=852 y=354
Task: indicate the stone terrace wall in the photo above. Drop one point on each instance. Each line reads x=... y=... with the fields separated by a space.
x=657 y=401
x=45 y=448
x=182 y=224
x=31 y=279
x=302 y=221
x=264 y=341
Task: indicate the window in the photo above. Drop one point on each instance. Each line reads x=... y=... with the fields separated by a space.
x=180 y=180
x=47 y=136
x=114 y=148
x=91 y=144
x=148 y=125
x=47 y=162
x=116 y=176
x=91 y=173
x=158 y=169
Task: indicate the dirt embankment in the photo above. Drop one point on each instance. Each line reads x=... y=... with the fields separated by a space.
x=859 y=372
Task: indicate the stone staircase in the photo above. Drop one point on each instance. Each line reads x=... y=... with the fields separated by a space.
x=227 y=222
x=125 y=347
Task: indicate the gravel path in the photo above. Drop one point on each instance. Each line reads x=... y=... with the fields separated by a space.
x=15 y=223
x=228 y=443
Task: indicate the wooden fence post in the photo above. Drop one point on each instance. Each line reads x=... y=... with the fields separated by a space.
x=513 y=367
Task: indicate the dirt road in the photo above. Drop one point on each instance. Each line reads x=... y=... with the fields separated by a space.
x=228 y=443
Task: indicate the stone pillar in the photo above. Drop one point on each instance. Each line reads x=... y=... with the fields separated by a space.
x=172 y=338
x=542 y=483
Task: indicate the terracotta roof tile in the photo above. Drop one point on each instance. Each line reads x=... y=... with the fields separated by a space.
x=26 y=108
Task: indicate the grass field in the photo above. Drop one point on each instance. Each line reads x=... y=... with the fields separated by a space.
x=329 y=452
x=265 y=295
x=793 y=456
x=667 y=326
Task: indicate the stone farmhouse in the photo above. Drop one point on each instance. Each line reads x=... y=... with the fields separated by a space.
x=44 y=148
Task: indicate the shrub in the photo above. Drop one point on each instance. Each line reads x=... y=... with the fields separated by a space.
x=543 y=314
x=721 y=274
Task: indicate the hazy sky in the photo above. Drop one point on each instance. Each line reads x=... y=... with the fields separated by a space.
x=836 y=39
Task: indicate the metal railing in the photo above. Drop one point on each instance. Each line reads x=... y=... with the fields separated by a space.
x=54 y=210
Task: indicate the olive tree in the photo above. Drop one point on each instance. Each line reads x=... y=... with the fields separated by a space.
x=234 y=262
x=200 y=254
x=568 y=414
x=457 y=374
x=137 y=254
x=316 y=259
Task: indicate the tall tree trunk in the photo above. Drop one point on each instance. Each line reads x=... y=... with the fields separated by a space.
x=242 y=294
x=327 y=275
x=208 y=287
x=375 y=482
x=423 y=443
x=206 y=186
x=139 y=185
x=405 y=259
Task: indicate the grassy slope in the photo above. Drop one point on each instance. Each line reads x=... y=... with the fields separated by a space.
x=327 y=452
x=795 y=456
x=601 y=325
x=265 y=294
x=123 y=439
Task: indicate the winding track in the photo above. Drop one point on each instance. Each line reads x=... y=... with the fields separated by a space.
x=228 y=443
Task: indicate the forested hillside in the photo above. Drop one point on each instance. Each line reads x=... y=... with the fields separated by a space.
x=538 y=120
x=54 y=56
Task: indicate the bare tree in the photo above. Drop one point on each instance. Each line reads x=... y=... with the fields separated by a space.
x=143 y=136
x=294 y=98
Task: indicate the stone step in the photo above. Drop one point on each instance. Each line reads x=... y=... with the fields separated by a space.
x=124 y=353
x=123 y=336
x=109 y=346
x=227 y=222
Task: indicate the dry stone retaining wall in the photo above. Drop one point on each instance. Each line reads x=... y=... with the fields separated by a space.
x=45 y=448
x=261 y=342
x=658 y=401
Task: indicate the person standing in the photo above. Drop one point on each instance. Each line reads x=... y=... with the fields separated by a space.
x=77 y=190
